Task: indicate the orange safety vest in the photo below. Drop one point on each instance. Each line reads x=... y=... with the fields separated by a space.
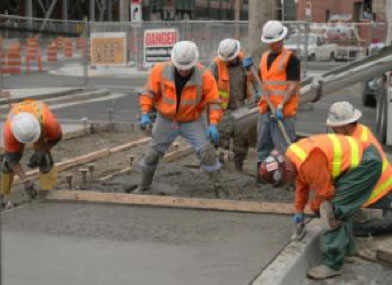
x=275 y=81
x=342 y=152
x=224 y=81
x=161 y=91
x=384 y=184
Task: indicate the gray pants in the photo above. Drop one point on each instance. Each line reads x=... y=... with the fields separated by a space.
x=269 y=135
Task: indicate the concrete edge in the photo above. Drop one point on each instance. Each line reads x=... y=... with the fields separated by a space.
x=291 y=265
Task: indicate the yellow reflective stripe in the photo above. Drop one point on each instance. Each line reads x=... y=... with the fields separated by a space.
x=384 y=165
x=214 y=107
x=167 y=100
x=365 y=134
x=223 y=94
x=354 y=152
x=381 y=188
x=298 y=151
x=337 y=155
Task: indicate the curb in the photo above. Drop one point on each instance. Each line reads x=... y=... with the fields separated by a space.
x=291 y=265
x=50 y=95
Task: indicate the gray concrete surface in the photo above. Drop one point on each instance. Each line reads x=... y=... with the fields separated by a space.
x=64 y=243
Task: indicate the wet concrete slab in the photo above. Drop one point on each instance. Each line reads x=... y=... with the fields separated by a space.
x=75 y=243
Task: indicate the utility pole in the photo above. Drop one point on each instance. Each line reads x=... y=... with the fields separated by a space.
x=259 y=13
x=389 y=21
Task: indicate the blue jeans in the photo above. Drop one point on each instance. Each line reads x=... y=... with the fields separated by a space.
x=269 y=135
x=165 y=131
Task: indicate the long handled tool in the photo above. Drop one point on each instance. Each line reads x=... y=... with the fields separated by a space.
x=249 y=65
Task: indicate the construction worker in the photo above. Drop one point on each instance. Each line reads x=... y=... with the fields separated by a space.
x=29 y=122
x=180 y=90
x=342 y=171
x=280 y=74
x=233 y=82
x=343 y=119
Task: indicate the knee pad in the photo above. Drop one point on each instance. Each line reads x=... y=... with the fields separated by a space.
x=152 y=157
x=208 y=155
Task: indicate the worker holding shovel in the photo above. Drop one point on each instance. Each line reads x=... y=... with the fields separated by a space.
x=342 y=171
x=235 y=91
x=280 y=79
x=29 y=122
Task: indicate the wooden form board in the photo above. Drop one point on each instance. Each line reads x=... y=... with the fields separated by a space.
x=89 y=157
x=175 y=202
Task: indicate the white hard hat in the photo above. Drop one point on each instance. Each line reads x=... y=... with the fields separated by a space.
x=228 y=49
x=25 y=127
x=342 y=113
x=185 y=55
x=273 y=31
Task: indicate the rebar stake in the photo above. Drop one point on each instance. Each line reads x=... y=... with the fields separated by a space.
x=91 y=167
x=68 y=180
x=131 y=159
x=85 y=123
x=83 y=171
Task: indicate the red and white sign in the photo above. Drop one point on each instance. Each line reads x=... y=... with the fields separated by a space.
x=158 y=44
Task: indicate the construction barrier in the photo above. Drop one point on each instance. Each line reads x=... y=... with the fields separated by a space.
x=59 y=43
x=80 y=44
x=68 y=47
x=11 y=60
x=51 y=52
x=33 y=54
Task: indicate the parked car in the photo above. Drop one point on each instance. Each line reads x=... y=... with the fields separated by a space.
x=318 y=50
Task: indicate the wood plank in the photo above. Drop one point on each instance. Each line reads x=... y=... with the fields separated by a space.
x=92 y=156
x=384 y=255
x=175 y=202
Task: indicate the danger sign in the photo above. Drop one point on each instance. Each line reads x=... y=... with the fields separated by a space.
x=158 y=44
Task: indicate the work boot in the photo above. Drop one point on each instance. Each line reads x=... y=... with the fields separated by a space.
x=327 y=216
x=322 y=271
x=42 y=194
x=9 y=205
x=146 y=182
x=239 y=165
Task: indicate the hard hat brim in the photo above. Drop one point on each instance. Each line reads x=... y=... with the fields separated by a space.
x=281 y=37
x=332 y=123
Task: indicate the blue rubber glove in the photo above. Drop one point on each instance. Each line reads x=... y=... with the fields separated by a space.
x=145 y=121
x=247 y=62
x=279 y=114
x=299 y=218
x=213 y=134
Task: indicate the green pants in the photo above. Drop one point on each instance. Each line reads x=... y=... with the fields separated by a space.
x=352 y=189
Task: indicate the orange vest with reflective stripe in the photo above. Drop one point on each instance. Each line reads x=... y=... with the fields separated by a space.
x=342 y=152
x=384 y=184
x=224 y=81
x=192 y=103
x=275 y=80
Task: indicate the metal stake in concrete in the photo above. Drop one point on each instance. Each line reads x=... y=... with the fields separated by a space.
x=84 y=172
x=68 y=180
x=131 y=159
x=91 y=167
x=85 y=123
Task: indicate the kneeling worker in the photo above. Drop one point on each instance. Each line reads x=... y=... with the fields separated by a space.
x=343 y=119
x=342 y=171
x=180 y=90
x=29 y=122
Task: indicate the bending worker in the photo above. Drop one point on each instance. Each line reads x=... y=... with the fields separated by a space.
x=343 y=118
x=342 y=171
x=233 y=80
x=280 y=73
x=180 y=90
x=29 y=122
